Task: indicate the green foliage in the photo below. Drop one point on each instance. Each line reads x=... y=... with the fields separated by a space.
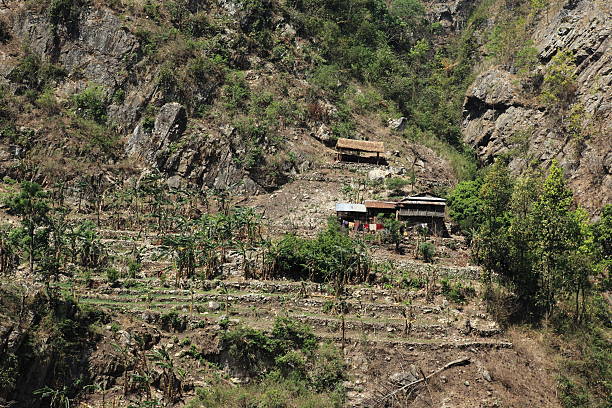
x=277 y=393
x=427 y=251
x=91 y=104
x=456 y=291
x=30 y=203
x=585 y=375
x=173 y=321
x=65 y=13
x=289 y=352
x=35 y=74
x=48 y=102
x=526 y=58
x=331 y=257
x=112 y=276
x=59 y=334
x=540 y=247
x=151 y=9
x=5 y=34
x=396 y=183
x=464 y=205
x=393 y=231
x=236 y=91
x=407 y=281
x=572 y=394
x=559 y=86
x=134 y=268
x=490 y=248
x=409 y=11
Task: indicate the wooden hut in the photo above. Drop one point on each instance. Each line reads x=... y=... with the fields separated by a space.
x=350 y=147
x=424 y=209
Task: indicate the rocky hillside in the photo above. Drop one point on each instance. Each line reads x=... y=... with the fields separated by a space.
x=229 y=94
x=246 y=95
x=545 y=93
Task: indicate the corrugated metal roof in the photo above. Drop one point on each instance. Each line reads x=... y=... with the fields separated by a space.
x=348 y=207
x=423 y=198
x=362 y=145
x=423 y=202
x=387 y=205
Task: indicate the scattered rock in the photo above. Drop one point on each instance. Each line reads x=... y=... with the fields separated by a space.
x=398 y=124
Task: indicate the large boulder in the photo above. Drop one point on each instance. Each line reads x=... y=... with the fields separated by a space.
x=170 y=123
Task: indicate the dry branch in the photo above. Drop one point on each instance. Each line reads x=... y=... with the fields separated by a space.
x=455 y=363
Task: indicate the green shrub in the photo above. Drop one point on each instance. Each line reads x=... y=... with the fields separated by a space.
x=396 y=183
x=236 y=92
x=327 y=77
x=36 y=74
x=456 y=292
x=427 y=250
x=91 y=104
x=173 y=321
x=290 y=352
x=572 y=395
x=559 y=86
x=134 y=268
x=65 y=13
x=409 y=282
x=526 y=58
x=151 y=9
x=112 y=275
x=331 y=256
x=48 y=102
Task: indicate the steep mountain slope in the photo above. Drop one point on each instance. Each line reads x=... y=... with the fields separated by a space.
x=239 y=95
x=546 y=93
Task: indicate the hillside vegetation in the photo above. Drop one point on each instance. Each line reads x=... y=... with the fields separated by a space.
x=168 y=185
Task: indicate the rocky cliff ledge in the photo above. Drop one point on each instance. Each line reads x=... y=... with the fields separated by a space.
x=504 y=113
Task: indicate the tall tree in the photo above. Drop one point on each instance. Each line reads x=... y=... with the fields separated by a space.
x=557 y=236
x=31 y=204
x=491 y=246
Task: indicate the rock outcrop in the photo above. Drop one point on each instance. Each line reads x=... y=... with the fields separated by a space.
x=502 y=116
x=170 y=123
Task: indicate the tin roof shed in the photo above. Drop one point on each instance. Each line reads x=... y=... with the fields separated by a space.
x=348 y=207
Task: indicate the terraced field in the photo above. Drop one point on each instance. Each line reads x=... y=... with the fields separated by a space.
x=389 y=334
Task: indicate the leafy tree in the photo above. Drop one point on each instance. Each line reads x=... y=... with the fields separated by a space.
x=465 y=204
x=32 y=205
x=559 y=84
x=393 y=232
x=490 y=247
x=602 y=243
x=556 y=236
x=9 y=257
x=521 y=275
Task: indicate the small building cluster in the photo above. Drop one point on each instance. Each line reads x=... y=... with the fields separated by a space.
x=422 y=210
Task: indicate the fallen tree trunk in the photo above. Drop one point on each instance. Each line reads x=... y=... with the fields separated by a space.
x=455 y=363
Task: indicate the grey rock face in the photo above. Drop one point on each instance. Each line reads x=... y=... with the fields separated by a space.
x=100 y=51
x=452 y=15
x=501 y=117
x=170 y=123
